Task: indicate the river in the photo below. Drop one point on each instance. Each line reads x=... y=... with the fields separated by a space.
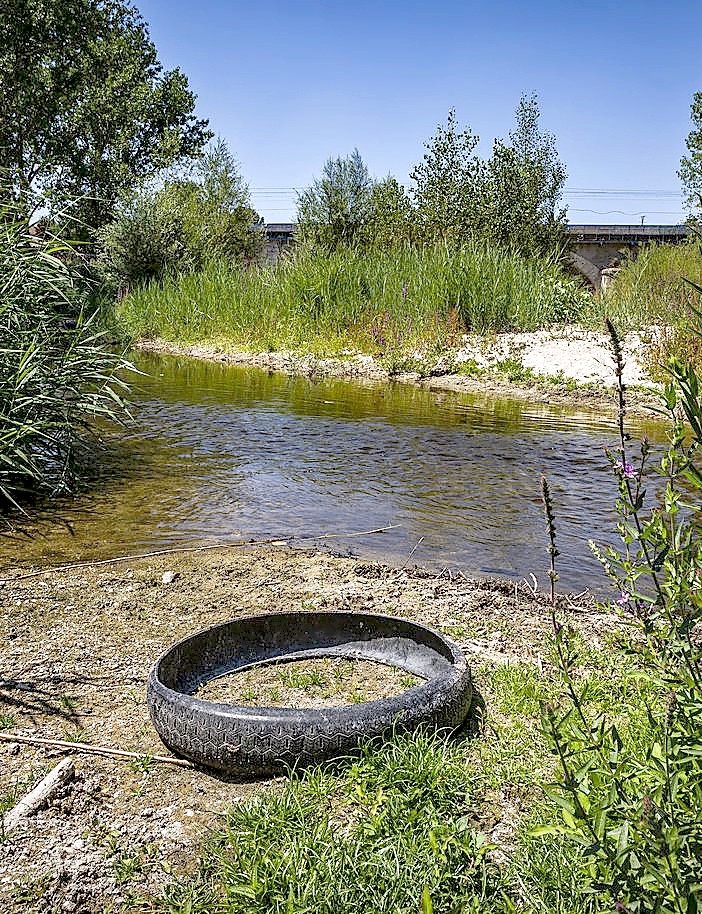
x=219 y=452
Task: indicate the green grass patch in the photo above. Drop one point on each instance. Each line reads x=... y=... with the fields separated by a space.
x=383 y=303
x=423 y=822
x=392 y=832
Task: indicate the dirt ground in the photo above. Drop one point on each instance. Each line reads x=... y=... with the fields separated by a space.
x=75 y=651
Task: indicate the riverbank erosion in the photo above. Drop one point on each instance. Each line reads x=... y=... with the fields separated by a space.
x=75 y=653
x=568 y=365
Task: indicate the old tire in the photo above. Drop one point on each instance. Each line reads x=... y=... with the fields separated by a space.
x=257 y=740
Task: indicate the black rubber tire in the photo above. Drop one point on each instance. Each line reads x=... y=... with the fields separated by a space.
x=261 y=740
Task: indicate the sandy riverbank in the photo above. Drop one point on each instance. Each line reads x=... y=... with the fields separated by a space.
x=567 y=365
x=75 y=651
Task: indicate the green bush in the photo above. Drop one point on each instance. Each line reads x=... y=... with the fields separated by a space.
x=634 y=810
x=56 y=372
x=180 y=226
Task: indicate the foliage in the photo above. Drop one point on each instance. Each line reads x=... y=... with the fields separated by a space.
x=88 y=110
x=390 y=221
x=56 y=373
x=383 y=302
x=445 y=181
x=392 y=833
x=334 y=210
x=635 y=811
x=650 y=291
x=146 y=241
x=510 y=200
x=523 y=185
x=690 y=172
x=181 y=225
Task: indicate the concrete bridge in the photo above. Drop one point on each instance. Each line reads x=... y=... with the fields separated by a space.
x=595 y=249
x=592 y=248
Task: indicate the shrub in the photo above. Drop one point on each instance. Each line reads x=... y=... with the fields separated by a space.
x=635 y=809
x=180 y=226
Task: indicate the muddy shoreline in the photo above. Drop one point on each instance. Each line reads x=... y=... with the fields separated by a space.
x=75 y=651
x=582 y=388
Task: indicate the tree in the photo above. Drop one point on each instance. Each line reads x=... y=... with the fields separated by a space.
x=181 y=224
x=522 y=187
x=216 y=211
x=334 y=210
x=88 y=110
x=445 y=184
x=391 y=216
x=690 y=172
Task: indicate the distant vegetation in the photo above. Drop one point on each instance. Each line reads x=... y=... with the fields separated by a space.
x=653 y=290
x=381 y=302
x=473 y=246
x=180 y=226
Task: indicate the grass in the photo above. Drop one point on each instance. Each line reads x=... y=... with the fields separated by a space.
x=314 y=683
x=383 y=303
x=421 y=823
x=651 y=291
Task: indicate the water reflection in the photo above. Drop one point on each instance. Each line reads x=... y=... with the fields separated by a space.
x=219 y=451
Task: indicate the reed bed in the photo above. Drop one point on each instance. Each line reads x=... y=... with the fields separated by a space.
x=654 y=291
x=365 y=301
x=56 y=372
x=652 y=288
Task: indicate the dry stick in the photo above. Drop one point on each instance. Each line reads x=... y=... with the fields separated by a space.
x=406 y=561
x=94 y=750
x=181 y=549
x=43 y=791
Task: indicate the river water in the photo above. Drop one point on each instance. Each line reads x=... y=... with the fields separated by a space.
x=218 y=452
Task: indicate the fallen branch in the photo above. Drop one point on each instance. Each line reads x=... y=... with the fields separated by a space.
x=42 y=793
x=278 y=540
x=69 y=746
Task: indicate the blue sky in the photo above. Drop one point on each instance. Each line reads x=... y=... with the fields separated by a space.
x=288 y=84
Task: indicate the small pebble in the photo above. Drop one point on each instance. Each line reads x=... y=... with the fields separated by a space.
x=169 y=577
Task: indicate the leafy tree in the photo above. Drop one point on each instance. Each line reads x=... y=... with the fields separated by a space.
x=445 y=184
x=335 y=209
x=690 y=172
x=87 y=108
x=216 y=212
x=181 y=225
x=511 y=200
x=391 y=217
x=522 y=187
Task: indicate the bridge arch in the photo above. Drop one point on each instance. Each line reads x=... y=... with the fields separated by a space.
x=586 y=268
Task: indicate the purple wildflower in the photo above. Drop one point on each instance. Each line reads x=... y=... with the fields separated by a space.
x=628 y=470
x=623 y=598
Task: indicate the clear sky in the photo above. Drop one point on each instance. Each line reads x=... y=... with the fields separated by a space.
x=289 y=84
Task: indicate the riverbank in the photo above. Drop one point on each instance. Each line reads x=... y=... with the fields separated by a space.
x=76 y=649
x=570 y=366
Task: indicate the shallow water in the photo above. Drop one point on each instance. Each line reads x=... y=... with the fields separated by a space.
x=217 y=452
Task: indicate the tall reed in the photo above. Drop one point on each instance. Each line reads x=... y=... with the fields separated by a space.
x=654 y=291
x=56 y=373
x=367 y=301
